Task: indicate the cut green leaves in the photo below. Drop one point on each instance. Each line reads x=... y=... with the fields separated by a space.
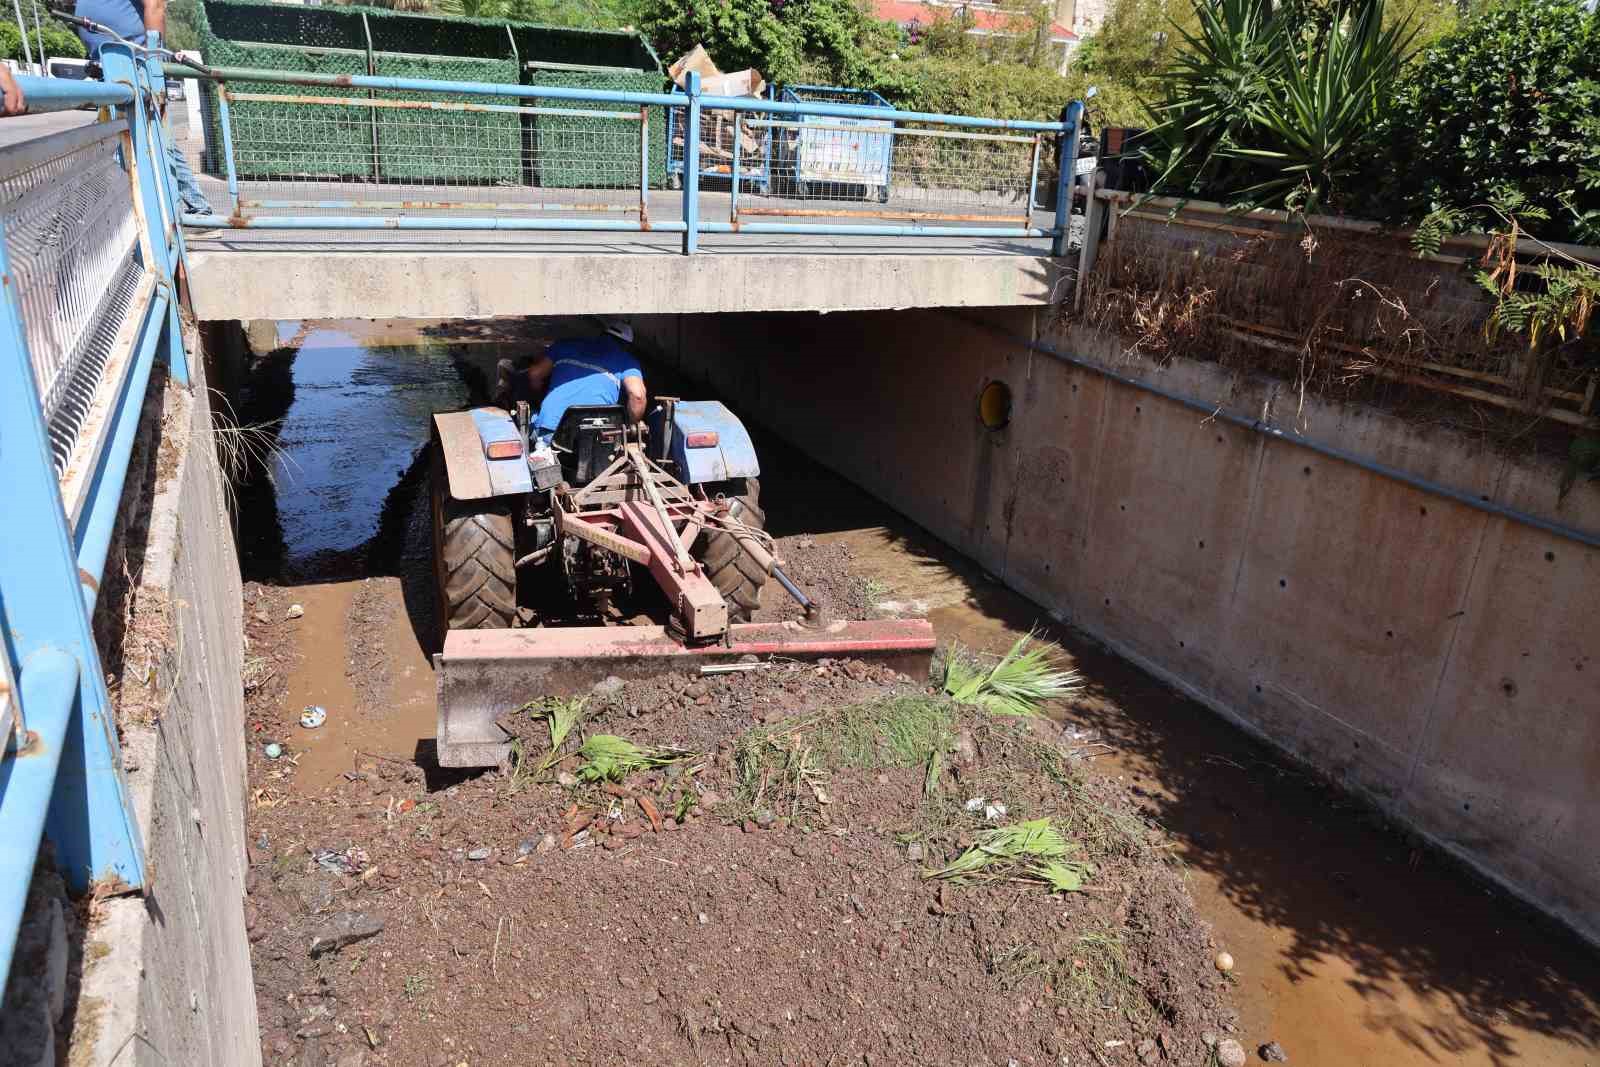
x=610 y=758
x=1032 y=851
x=1017 y=683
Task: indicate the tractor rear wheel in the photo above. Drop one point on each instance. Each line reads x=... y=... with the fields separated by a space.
x=474 y=557
x=729 y=567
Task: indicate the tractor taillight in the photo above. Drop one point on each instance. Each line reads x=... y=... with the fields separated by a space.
x=503 y=449
x=700 y=439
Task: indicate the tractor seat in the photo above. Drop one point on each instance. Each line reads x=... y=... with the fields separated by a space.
x=588 y=440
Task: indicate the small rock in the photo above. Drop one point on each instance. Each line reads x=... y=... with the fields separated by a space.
x=608 y=685
x=650 y=996
x=708 y=799
x=295 y=611
x=1208 y=1038
x=750 y=826
x=613 y=842
x=345 y=928
x=527 y=848
x=480 y=853
x=1146 y=1051
x=914 y=852
x=1230 y=1053
x=1273 y=1052
x=764 y=818
x=567 y=780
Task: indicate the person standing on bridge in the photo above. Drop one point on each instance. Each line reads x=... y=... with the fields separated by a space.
x=142 y=24
x=576 y=372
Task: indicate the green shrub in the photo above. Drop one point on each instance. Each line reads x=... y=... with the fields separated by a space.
x=59 y=43
x=1505 y=107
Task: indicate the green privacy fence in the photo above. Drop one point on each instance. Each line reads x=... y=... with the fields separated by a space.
x=299 y=141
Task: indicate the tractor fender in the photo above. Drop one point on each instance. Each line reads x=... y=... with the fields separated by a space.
x=733 y=456
x=464 y=438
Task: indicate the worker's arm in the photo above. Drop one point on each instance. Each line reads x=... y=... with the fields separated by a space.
x=155 y=16
x=15 y=104
x=633 y=397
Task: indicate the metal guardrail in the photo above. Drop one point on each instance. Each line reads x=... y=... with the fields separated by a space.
x=357 y=152
x=89 y=257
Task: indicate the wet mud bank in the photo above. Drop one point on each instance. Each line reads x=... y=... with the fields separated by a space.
x=731 y=907
x=1354 y=943
x=1098 y=501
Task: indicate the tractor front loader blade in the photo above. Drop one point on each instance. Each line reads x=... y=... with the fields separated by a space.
x=483 y=674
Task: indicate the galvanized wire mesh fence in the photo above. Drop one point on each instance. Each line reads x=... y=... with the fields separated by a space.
x=841 y=167
x=322 y=151
x=330 y=150
x=70 y=229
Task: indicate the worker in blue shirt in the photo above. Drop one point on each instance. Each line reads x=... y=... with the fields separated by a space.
x=142 y=24
x=576 y=372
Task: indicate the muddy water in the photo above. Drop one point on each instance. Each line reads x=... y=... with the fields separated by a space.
x=1354 y=946
x=358 y=414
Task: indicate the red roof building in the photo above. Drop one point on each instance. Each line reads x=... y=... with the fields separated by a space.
x=987 y=19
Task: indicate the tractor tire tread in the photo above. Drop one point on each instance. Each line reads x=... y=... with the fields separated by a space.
x=730 y=569
x=476 y=566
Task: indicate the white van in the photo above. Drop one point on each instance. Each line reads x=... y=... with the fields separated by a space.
x=75 y=69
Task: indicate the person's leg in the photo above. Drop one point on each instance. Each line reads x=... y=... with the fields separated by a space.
x=194 y=200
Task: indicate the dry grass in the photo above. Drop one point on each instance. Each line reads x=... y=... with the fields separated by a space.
x=1339 y=315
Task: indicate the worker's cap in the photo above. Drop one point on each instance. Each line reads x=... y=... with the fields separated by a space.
x=618 y=329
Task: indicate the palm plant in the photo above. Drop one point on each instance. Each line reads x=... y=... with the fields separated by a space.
x=1269 y=106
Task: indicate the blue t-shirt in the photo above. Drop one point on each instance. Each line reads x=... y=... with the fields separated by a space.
x=124 y=16
x=587 y=371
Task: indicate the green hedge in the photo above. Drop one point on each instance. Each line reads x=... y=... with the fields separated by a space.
x=1508 y=102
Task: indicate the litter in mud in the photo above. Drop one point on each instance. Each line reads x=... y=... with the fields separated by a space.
x=313 y=717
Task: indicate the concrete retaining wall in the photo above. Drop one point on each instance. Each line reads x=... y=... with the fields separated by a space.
x=167 y=975
x=1436 y=658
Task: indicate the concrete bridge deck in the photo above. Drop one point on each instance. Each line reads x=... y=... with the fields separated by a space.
x=283 y=274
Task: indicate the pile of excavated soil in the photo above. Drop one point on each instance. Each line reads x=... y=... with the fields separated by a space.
x=719 y=910
x=824 y=572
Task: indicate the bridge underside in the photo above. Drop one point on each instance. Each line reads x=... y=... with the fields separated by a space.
x=265 y=274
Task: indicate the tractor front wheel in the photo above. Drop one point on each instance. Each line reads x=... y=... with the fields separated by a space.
x=474 y=557
x=729 y=567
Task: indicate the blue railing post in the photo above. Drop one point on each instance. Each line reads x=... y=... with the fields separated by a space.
x=153 y=190
x=1071 y=120
x=49 y=637
x=691 y=166
x=172 y=349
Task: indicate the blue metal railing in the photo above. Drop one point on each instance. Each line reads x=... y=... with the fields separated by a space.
x=687 y=110
x=61 y=774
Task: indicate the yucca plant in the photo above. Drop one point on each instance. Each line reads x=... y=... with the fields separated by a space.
x=1017 y=683
x=1267 y=107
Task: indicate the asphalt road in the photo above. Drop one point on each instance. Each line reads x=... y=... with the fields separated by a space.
x=27 y=127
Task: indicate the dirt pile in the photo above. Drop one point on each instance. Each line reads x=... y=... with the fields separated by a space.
x=765 y=900
x=824 y=572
